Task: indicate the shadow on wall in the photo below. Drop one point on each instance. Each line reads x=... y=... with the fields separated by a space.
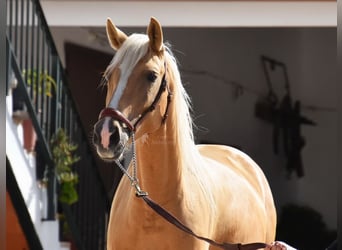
x=303 y=228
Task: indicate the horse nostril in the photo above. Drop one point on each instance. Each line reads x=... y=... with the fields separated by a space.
x=98 y=127
x=97 y=132
x=114 y=137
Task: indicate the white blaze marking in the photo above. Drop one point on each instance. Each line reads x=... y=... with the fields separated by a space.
x=126 y=58
x=105 y=134
x=114 y=103
x=126 y=68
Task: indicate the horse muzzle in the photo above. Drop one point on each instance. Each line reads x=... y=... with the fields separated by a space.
x=110 y=138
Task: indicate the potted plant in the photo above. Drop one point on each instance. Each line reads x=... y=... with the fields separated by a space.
x=63 y=155
x=30 y=136
x=35 y=80
x=64 y=158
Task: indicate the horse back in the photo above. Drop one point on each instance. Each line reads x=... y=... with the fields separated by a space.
x=243 y=178
x=238 y=162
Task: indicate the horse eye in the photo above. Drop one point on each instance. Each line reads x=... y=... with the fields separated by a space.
x=151 y=76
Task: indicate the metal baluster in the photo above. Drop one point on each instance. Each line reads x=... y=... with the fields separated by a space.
x=70 y=123
x=44 y=90
x=59 y=96
x=33 y=54
x=61 y=105
x=48 y=103
x=16 y=29
x=21 y=60
x=39 y=72
x=64 y=107
x=10 y=29
x=54 y=100
x=27 y=38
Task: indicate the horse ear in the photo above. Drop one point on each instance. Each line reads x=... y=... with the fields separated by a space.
x=155 y=34
x=115 y=36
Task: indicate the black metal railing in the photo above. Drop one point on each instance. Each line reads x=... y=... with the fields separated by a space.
x=43 y=93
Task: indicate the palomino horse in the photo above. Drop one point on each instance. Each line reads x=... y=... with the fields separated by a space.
x=217 y=191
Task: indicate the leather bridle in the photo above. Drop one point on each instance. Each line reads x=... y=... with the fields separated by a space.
x=117 y=115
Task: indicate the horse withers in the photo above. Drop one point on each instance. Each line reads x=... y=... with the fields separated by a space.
x=217 y=191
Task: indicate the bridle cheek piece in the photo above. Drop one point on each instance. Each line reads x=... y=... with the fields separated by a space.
x=117 y=115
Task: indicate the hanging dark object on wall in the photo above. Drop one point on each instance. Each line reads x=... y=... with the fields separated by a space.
x=285 y=117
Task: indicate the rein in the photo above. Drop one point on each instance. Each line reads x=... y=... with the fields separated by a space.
x=115 y=114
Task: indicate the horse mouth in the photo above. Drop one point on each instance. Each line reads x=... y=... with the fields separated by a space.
x=110 y=154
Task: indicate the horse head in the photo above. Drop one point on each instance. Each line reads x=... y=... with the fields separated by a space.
x=136 y=82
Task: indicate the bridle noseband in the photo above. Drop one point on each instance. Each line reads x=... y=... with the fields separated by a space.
x=117 y=115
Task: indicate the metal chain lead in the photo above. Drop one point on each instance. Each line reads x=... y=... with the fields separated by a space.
x=134 y=158
x=133 y=179
x=118 y=163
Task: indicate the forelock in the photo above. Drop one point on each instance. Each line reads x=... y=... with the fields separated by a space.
x=132 y=50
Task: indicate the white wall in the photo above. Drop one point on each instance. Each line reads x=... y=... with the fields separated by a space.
x=234 y=54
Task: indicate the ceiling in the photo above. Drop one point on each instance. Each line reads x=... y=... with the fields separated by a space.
x=87 y=13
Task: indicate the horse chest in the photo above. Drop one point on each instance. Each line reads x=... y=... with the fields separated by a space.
x=148 y=233
x=135 y=226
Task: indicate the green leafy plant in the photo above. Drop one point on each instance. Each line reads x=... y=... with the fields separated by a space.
x=64 y=158
x=35 y=78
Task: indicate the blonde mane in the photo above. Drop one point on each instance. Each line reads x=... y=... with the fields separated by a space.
x=182 y=107
x=190 y=158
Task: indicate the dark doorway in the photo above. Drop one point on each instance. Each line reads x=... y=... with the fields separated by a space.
x=84 y=68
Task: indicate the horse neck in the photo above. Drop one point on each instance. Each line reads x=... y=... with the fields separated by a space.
x=159 y=167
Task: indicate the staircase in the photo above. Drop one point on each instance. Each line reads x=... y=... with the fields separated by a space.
x=38 y=93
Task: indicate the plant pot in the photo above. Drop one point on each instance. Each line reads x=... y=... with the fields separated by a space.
x=73 y=245
x=30 y=136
